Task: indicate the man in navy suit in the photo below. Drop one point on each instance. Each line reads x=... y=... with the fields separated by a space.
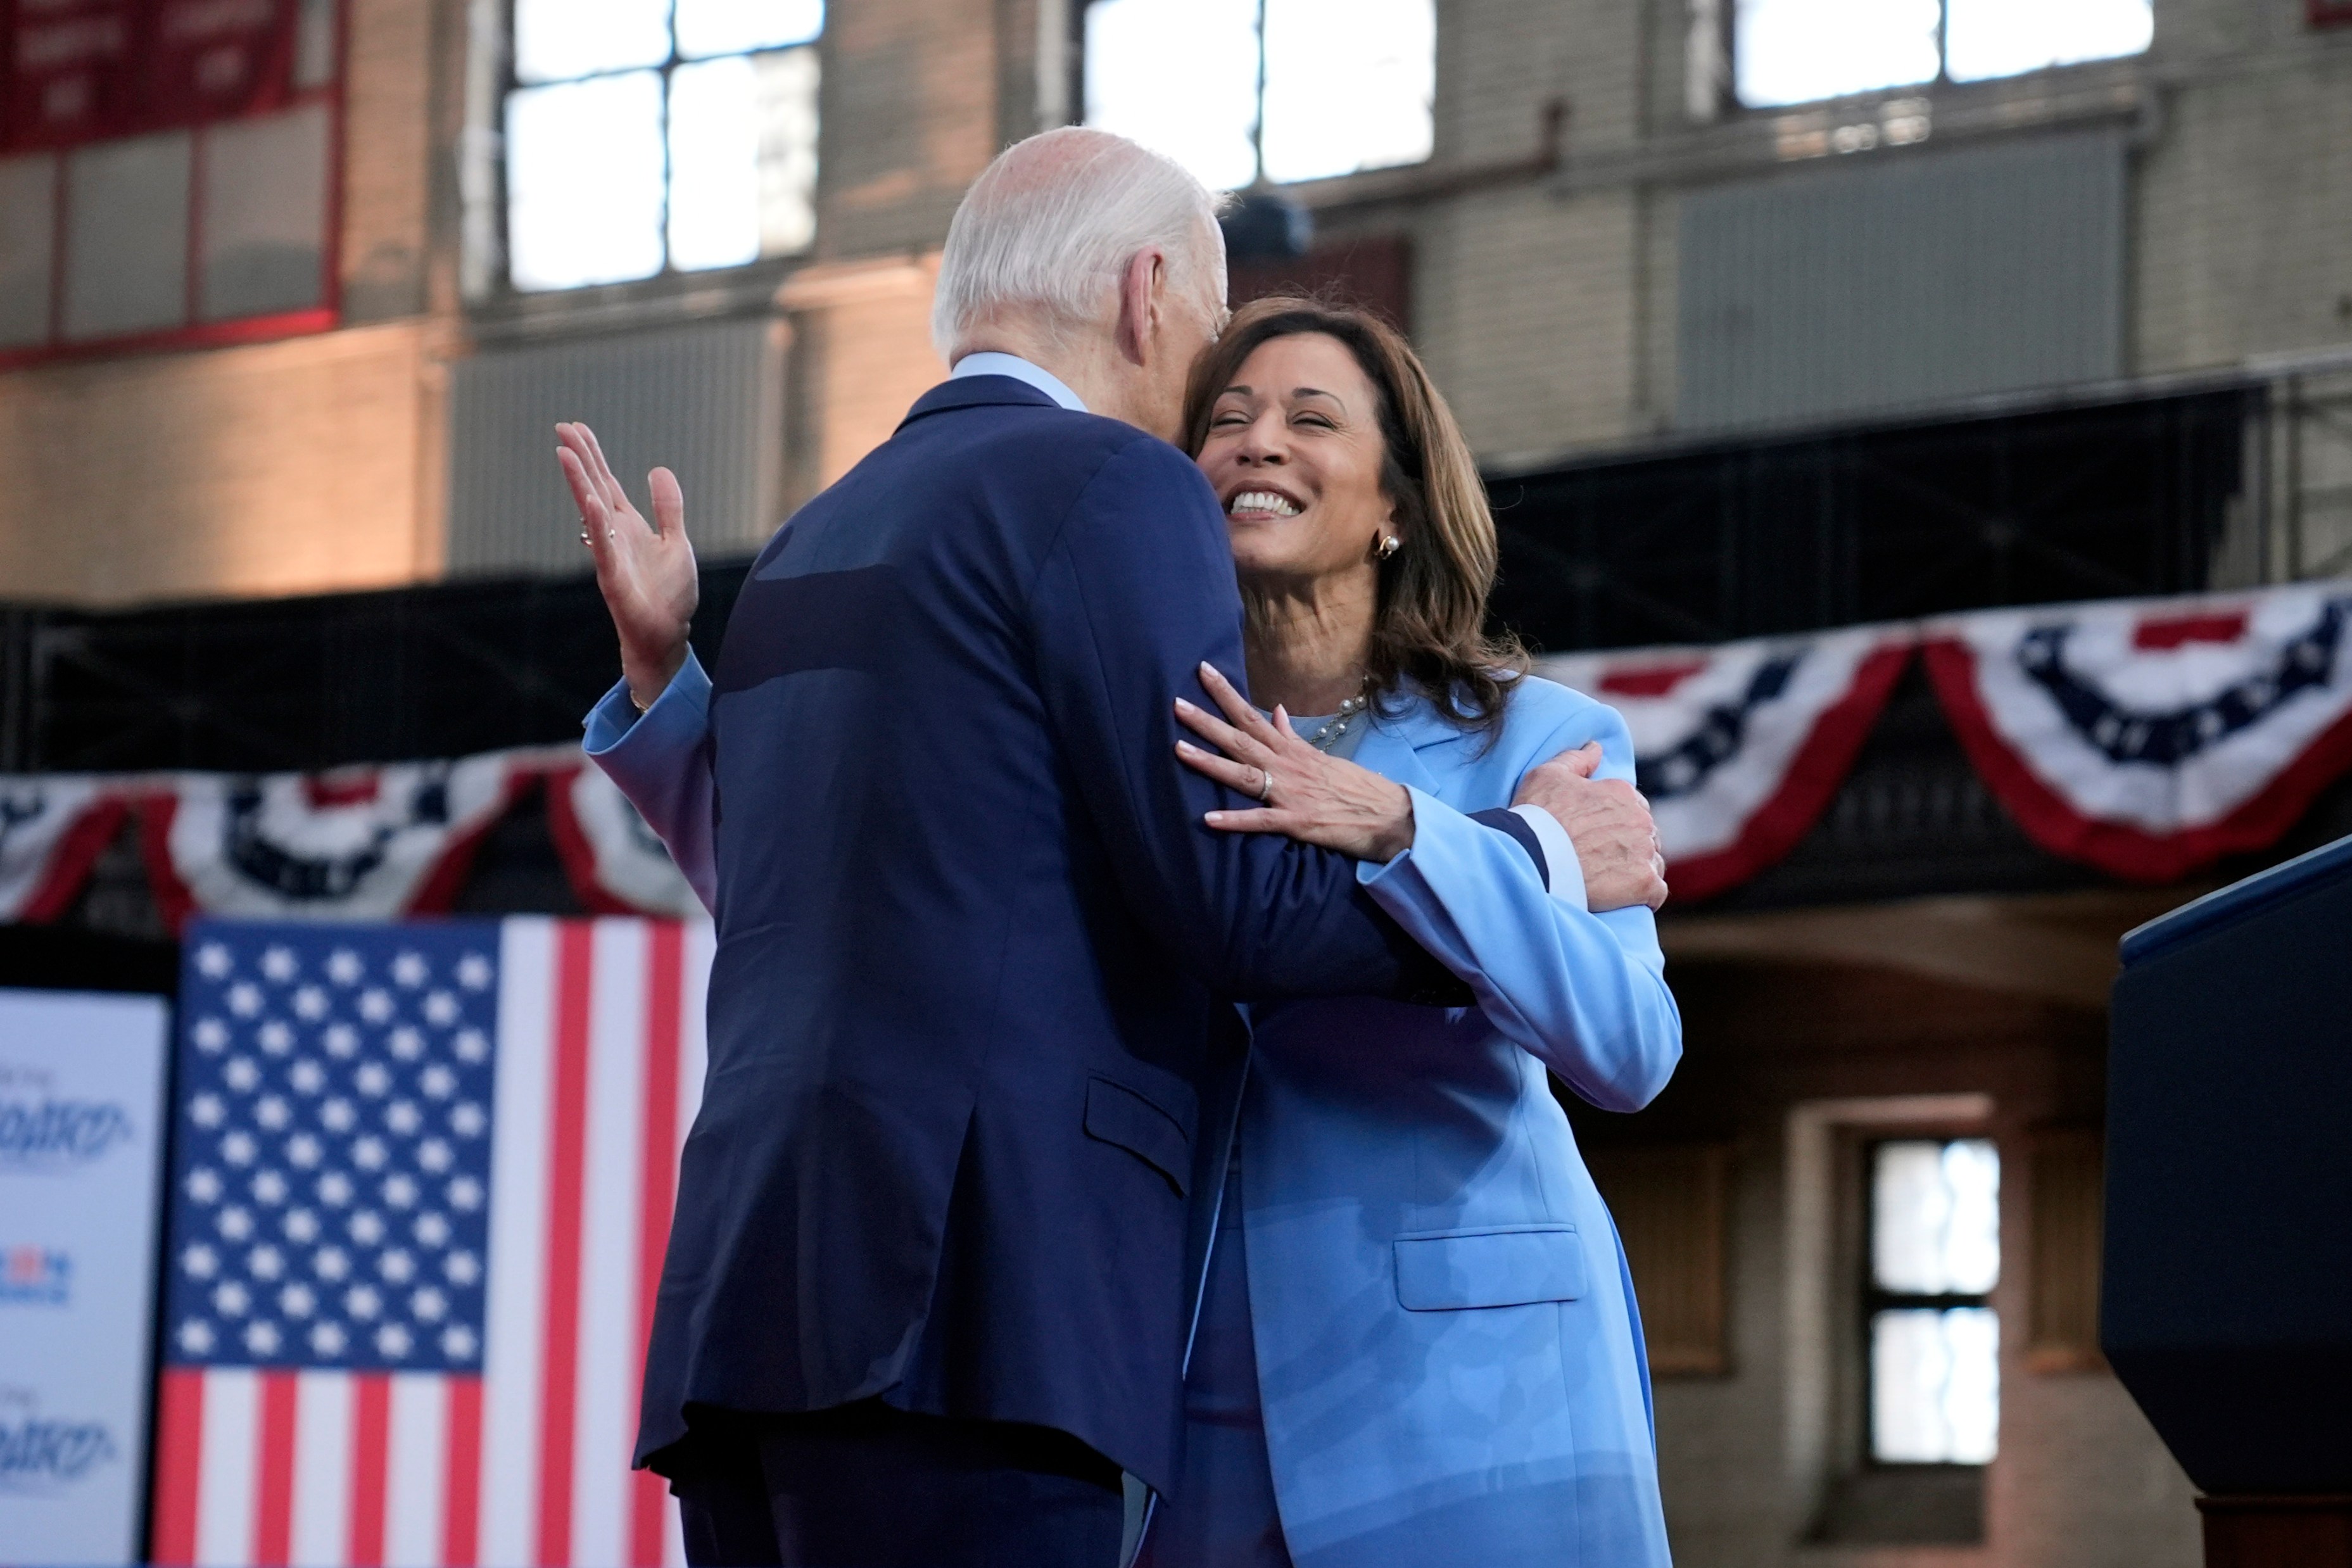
x=930 y=1279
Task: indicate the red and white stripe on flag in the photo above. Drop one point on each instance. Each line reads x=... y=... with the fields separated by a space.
x=1740 y=745
x=2149 y=737
x=599 y=1062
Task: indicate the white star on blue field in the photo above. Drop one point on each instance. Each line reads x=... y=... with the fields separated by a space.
x=331 y=1177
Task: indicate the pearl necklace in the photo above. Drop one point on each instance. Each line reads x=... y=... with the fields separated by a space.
x=1324 y=739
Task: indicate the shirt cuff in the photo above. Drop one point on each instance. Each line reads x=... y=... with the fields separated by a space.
x=1543 y=853
x=609 y=722
x=1563 y=871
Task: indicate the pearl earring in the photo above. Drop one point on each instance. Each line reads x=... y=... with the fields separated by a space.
x=1387 y=547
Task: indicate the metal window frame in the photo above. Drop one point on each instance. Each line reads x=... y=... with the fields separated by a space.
x=192 y=334
x=1084 y=9
x=669 y=277
x=1874 y=1299
x=1258 y=181
x=1942 y=80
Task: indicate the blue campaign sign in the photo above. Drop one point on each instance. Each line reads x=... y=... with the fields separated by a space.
x=81 y=1136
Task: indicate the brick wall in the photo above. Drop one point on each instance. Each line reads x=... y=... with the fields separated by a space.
x=387 y=165
x=1526 y=310
x=911 y=117
x=285 y=468
x=1523 y=301
x=1546 y=306
x=1550 y=318
x=861 y=355
x=2244 y=243
x=319 y=463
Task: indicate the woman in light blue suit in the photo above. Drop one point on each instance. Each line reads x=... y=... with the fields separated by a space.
x=1418 y=1346
x=1419 y=1343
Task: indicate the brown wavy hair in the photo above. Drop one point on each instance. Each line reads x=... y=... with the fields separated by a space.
x=1429 y=628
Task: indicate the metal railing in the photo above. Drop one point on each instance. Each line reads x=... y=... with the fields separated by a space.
x=2299 y=492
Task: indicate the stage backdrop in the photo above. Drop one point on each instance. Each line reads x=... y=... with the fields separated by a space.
x=419 y=1198
x=81 y=1104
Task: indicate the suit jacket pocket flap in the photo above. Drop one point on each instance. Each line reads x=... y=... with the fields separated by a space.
x=1118 y=1114
x=1503 y=1265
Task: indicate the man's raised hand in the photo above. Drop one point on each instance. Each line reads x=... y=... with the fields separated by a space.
x=645 y=569
x=1608 y=821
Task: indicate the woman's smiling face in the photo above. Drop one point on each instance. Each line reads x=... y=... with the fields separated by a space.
x=1293 y=451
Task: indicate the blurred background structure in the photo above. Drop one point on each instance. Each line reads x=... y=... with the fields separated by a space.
x=1764 y=316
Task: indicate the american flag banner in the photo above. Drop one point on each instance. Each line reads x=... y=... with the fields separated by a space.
x=420 y=1187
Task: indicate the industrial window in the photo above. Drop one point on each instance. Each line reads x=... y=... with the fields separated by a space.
x=1933 y=1337
x=647 y=136
x=1794 y=51
x=169 y=172
x=1240 y=91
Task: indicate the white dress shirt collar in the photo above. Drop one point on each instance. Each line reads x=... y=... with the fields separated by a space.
x=988 y=362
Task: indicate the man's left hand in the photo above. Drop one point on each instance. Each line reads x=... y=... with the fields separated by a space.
x=1610 y=824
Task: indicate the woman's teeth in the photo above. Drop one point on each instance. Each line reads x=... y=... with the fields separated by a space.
x=1261 y=500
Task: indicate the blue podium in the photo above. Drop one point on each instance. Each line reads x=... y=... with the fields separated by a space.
x=2226 y=1306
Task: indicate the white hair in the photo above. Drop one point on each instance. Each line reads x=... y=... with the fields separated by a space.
x=1051 y=224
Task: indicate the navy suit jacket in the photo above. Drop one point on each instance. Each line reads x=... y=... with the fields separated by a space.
x=966 y=1037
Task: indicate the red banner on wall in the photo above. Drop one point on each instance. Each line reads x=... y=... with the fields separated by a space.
x=83 y=70
x=70 y=68
x=207 y=59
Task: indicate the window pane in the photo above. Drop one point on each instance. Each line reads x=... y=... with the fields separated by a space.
x=584 y=182
x=1935 y=1217
x=1180 y=77
x=714 y=160
x=1935 y=1385
x=27 y=214
x=1347 y=85
x=2001 y=37
x=558 y=39
x=314 y=45
x=1791 y=51
x=265 y=215
x=788 y=149
x=127 y=237
x=739 y=26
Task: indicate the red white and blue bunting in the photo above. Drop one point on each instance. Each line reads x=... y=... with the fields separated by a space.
x=356 y=844
x=2147 y=738
x=52 y=828
x=362 y=843
x=1739 y=746
x=615 y=864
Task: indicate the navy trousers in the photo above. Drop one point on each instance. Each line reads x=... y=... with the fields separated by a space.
x=866 y=1486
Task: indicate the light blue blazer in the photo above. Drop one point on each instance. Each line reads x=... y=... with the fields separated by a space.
x=1449 y=1355
x=1450 y=1362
